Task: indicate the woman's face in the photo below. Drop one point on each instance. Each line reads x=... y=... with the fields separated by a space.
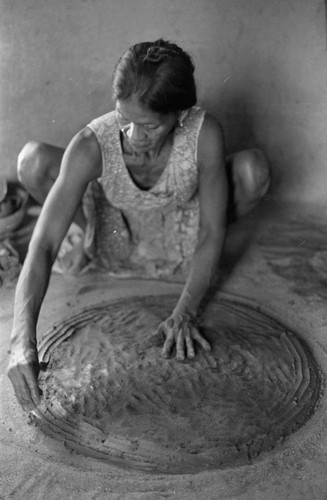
x=144 y=130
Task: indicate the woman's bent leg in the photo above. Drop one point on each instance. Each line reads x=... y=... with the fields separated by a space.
x=249 y=176
x=38 y=167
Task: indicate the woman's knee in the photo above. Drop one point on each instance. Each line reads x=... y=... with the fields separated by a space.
x=31 y=167
x=250 y=177
x=251 y=167
x=38 y=167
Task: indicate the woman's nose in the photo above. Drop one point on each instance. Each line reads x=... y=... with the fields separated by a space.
x=135 y=132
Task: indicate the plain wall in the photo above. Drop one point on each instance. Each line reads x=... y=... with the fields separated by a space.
x=260 y=68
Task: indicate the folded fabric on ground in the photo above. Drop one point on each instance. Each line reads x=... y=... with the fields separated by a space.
x=71 y=257
x=10 y=265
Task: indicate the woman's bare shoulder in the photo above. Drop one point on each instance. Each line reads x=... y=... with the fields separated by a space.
x=211 y=126
x=211 y=140
x=84 y=155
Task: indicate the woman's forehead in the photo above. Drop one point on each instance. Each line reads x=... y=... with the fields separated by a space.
x=134 y=111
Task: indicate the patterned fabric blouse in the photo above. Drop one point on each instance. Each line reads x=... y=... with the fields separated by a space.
x=141 y=232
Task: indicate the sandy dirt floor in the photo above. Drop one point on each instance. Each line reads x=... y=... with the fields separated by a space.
x=276 y=260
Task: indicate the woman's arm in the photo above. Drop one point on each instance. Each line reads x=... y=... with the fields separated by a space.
x=81 y=163
x=213 y=193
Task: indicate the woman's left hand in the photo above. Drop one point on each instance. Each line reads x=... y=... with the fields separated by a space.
x=181 y=331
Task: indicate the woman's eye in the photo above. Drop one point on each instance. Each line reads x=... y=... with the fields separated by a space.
x=124 y=122
x=151 y=127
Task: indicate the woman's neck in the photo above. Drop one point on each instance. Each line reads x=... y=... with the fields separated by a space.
x=151 y=154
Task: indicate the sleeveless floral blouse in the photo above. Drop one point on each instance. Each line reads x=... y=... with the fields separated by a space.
x=144 y=233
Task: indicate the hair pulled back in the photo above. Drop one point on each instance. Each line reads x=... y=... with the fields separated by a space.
x=159 y=73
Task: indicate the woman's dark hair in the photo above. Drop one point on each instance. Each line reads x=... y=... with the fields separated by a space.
x=159 y=73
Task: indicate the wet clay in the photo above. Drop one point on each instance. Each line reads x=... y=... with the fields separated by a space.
x=108 y=393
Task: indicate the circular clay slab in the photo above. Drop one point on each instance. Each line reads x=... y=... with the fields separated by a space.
x=108 y=393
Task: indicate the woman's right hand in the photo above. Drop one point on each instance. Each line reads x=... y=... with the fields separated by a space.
x=23 y=371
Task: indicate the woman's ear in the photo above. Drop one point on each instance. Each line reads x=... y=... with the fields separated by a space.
x=182 y=117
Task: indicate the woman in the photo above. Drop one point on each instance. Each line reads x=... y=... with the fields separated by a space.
x=147 y=184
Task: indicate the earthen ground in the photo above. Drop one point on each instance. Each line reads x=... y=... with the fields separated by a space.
x=277 y=258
